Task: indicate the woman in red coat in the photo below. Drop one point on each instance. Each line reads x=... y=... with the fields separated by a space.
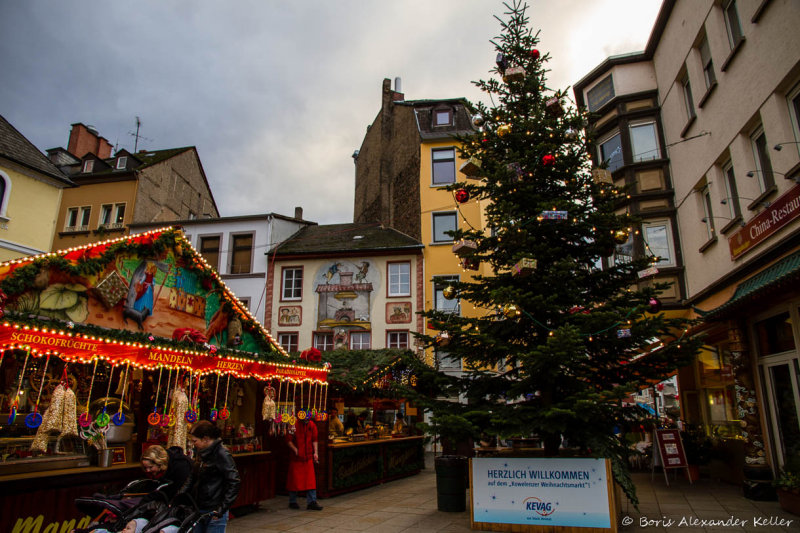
x=304 y=453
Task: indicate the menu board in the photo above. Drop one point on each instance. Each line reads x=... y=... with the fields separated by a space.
x=670 y=447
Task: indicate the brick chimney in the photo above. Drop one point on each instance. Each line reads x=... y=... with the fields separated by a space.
x=84 y=139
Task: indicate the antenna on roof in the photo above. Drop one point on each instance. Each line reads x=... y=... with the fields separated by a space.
x=137 y=136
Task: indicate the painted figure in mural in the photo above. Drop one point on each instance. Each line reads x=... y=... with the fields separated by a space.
x=139 y=303
x=334 y=268
x=362 y=271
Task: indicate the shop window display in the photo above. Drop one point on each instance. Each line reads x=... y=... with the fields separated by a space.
x=716 y=380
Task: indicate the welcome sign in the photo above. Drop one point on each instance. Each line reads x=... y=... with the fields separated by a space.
x=541 y=492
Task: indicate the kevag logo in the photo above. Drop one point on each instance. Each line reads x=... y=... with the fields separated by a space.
x=538 y=506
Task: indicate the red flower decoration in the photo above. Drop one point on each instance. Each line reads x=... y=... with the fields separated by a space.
x=462 y=195
x=312 y=354
x=535 y=54
x=548 y=160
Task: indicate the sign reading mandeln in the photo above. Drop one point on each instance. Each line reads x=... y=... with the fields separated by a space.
x=548 y=492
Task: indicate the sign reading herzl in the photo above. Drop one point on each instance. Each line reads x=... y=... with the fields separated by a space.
x=777 y=215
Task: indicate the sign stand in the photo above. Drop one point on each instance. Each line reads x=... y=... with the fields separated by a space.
x=668 y=453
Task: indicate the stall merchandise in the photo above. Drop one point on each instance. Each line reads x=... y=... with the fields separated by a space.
x=123 y=334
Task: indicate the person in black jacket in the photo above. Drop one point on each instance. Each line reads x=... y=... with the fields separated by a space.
x=168 y=465
x=215 y=480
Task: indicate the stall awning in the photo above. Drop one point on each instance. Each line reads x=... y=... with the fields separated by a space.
x=781 y=274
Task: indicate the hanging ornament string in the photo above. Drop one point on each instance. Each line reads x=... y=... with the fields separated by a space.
x=85 y=420
x=224 y=413
x=292 y=417
x=279 y=414
x=314 y=410
x=154 y=418
x=119 y=418
x=214 y=412
x=12 y=415
x=180 y=378
x=191 y=415
x=103 y=419
x=34 y=420
x=165 y=418
x=325 y=403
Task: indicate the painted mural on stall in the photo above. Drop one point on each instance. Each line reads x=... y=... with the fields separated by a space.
x=344 y=292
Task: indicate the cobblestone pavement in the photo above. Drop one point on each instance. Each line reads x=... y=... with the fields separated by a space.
x=409 y=505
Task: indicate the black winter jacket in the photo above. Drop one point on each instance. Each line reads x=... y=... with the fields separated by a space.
x=179 y=471
x=215 y=480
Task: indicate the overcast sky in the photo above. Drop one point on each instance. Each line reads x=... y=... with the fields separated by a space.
x=276 y=96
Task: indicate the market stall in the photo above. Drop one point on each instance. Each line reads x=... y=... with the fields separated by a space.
x=113 y=347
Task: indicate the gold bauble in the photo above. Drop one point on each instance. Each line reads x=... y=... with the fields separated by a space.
x=511 y=311
x=621 y=236
x=449 y=292
x=504 y=130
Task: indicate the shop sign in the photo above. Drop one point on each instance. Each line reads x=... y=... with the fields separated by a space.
x=670 y=448
x=541 y=492
x=777 y=215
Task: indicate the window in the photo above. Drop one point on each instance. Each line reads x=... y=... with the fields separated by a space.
x=658 y=241
x=111 y=216
x=288 y=341
x=241 y=253
x=359 y=340
x=399 y=279
x=445 y=362
x=443 y=117
x=323 y=341
x=623 y=253
x=708 y=65
x=88 y=166
x=688 y=101
x=105 y=214
x=444 y=165
x=731 y=195
x=644 y=142
x=5 y=189
x=397 y=339
x=209 y=249
x=292 y=283
x=611 y=152
x=601 y=93
x=732 y=23
x=122 y=161
x=766 y=179
x=708 y=212
x=72 y=219
x=793 y=100
x=440 y=303
x=119 y=214
x=442 y=223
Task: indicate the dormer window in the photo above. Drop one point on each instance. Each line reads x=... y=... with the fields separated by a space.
x=88 y=166
x=122 y=162
x=443 y=117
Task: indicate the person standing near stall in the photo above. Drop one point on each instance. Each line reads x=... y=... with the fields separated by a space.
x=304 y=454
x=215 y=479
x=335 y=426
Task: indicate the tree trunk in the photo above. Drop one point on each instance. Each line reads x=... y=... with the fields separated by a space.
x=552 y=441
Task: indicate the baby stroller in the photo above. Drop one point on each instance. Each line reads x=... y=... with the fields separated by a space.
x=139 y=498
x=182 y=514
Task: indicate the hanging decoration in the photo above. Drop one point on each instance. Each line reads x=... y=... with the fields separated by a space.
x=191 y=415
x=571 y=135
x=224 y=413
x=165 y=414
x=60 y=416
x=85 y=420
x=214 y=413
x=301 y=413
x=478 y=120
x=523 y=267
x=503 y=130
x=470 y=263
x=462 y=196
x=180 y=405
x=12 y=415
x=449 y=292
x=324 y=403
x=602 y=175
x=119 y=418
x=111 y=289
x=553 y=106
x=511 y=311
x=34 y=420
x=516 y=168
x=154 y=418
x=647 y=272
x=502 y=62
x=553 y=215
x=471 y=167
x=623 y=333
x=465 y=248
x=621 y=236
x=513 y=74
x=442 y=338
x=548 y=160
x=654 y=305
x=534 y=53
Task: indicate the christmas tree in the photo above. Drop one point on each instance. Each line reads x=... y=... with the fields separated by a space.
x=565 y=329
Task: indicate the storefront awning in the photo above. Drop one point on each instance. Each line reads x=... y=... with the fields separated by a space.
x=784 y=272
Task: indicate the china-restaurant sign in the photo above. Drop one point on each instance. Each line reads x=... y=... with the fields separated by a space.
x=777 y=215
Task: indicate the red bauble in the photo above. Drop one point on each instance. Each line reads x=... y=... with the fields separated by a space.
x=548 y=160
x=462 y=195
x=535 y=54
x=655 y=305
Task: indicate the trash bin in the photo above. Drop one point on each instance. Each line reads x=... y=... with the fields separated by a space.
x=451 y=483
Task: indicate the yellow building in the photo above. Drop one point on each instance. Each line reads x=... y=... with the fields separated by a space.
x=408 y=156
x=30 y=192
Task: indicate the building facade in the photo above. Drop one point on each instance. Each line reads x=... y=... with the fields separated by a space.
x=408 y=156
x=239 y=249
x=31 y=187
x=356 y=286
x=116 y=191
x=729 y=130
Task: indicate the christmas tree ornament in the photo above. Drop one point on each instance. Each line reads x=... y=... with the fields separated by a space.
x=462 y=196
x=514 y=74
x=516 y=168
x=624 y=333
x=478 y=120
x=268 y=407
x=523 y=267
x=534 y=53
x=601 y=175
x=442 y=338
x=548 y=160
x=511 y=311
x=119 y=418
x=553 y=106
x=502 y=63
x=621 y=236
x=471 y=167
x=111 y=289
x=553 y=215
x=654 y=305
x=178 y=428
x=647 y=272
x=34 y=420
x=571 y=135
x=503 y=130
x=470 y=263
x=449 y=292
x=464 y=248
